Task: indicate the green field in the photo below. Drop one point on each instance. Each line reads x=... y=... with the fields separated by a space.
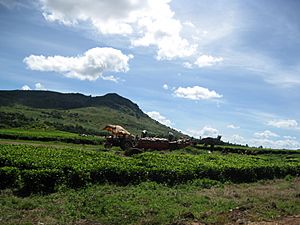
x=50 y=135
x=46 y=180
x=198 y=202
x=42 y=169
x=87 y=120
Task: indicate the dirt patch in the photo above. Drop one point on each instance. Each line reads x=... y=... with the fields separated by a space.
x=85 y=222
x=266 y=189
x=291 y=220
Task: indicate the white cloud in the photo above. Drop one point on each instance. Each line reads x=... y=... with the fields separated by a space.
x=90 y=66
x=189 y=24
x=206 y=131
x=39 y=86
x=171 y=47
x=25 y=88
x=276 y=144
x=265 y=134
x=188 y=65
x=158 y=117
x=265 y=66
x=145 y=22
x=283 y=123
x=207 y=60
x=290 y=137
x=10 y=4
x=232 y=126
x=237 y=139
x=196 y=93
x=110 y=78
x=287 y=143
x=108 y=17
x=159 y=28
x=166 y=87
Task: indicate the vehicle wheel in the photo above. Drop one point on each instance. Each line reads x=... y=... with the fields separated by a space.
x=133 y=151
x=108 y=145
x=126 y=145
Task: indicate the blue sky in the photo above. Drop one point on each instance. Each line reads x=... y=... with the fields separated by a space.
x=203 y=67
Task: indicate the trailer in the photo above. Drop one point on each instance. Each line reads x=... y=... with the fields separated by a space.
x=122 y=138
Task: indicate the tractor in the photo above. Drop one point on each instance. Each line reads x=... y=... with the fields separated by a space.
x=122 y=138
x=119 y=137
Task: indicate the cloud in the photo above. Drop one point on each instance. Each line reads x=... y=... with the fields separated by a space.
x=265 y=134
x=158 y=117
x=189 y=24
x=204 y=61
x=276 y=144
x=166 y=87
x=159 y=28
x=232 y=126
x=10 y=4
x=145 y=23
x=237 y=139
x=206 y=131
x=110 y=78
x=108 y=17
x=188 y=65
x=283 y=123
x=290 y=137
x=287 y=143
x=25 y=88
x=265 y=66
x=90 y=66
x=39 y=86
x=196 y=93
x=207 y=60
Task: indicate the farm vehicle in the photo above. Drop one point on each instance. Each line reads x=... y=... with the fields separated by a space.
x=210 y=141
x=122 y=138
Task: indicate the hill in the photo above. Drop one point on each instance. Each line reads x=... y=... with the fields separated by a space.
x=74 y=112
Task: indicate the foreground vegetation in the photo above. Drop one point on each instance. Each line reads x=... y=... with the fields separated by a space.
x=33 y=169
x=197 y=202
x=54 y=182
x=50 y=135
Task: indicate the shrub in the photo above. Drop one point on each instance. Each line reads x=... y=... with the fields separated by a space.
x=8 y=177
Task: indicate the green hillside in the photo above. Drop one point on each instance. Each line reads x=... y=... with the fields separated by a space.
x=76 y=113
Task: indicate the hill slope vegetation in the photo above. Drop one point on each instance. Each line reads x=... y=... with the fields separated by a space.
x=74 y=112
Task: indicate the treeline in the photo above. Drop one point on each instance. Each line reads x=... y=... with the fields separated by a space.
x=9 y=119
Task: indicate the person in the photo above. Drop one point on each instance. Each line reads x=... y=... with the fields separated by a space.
x=144 y=134
x=171 y=136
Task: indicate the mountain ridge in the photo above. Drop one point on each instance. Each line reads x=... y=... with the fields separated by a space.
x=44 y=100
x=74 y=112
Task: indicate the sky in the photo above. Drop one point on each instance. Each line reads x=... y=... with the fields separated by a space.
x=206 y=68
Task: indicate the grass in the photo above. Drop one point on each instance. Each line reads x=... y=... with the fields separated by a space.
x=34 y=169
x=88 y=120
x=49 y=135
x=56 y=144
x=152 y=203
x=199 y=201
